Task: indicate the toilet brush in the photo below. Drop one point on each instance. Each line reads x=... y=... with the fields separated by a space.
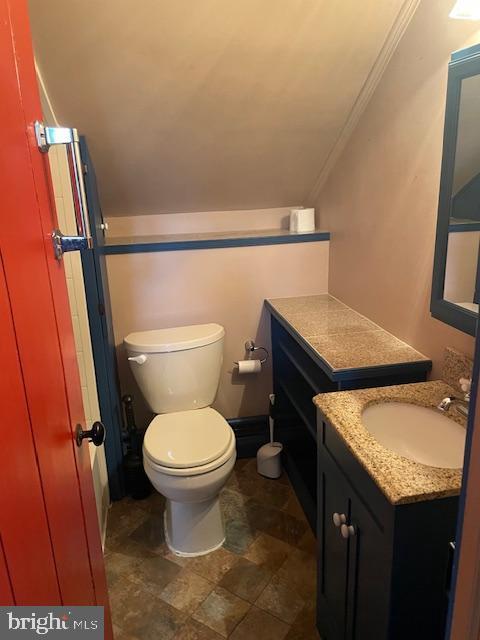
x=271 y=398
x=137 y=484
x=269 y=455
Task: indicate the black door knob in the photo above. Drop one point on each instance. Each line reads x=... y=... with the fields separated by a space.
x=96 y=434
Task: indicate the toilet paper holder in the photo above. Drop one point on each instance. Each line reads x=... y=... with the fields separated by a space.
x=251 y=347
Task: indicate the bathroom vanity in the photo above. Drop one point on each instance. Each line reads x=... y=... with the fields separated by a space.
x=320 y=345
x=385 y=522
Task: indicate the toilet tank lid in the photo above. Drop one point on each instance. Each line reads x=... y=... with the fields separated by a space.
x=174 y=339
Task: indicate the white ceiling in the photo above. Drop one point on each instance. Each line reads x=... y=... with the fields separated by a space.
x=196 y=105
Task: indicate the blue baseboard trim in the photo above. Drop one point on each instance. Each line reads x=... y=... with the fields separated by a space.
x=250 y=434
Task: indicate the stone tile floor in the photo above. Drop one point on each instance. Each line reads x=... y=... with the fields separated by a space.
x=260 y=585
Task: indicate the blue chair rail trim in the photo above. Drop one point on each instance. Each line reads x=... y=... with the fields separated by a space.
x=463 y=227
x=215 y=243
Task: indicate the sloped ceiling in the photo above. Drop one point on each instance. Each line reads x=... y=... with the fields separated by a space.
x=202 y=105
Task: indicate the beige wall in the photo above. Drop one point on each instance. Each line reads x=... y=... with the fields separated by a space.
x=199 y=222
x=155 y=290
x=210 y=105
x=380 y=202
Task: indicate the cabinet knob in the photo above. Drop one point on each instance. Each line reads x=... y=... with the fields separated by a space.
x=339 y=519
x=347 y=531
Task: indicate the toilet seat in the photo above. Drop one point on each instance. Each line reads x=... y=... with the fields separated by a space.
x=188 y=442
x=192 y=471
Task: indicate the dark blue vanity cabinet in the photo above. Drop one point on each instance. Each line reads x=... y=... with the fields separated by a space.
x=385 y=574
x=299 y=374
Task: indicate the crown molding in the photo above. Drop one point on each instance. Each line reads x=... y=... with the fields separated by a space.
x=394 y=36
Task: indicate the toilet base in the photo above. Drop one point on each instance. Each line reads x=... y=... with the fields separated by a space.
x=193 y=529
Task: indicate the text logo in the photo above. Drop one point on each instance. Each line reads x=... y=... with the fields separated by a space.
x=24 y=623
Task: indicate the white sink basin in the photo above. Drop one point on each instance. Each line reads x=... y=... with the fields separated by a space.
x=418 y=433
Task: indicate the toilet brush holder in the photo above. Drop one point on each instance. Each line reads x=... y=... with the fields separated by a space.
x=269 y=457
x=269 y=460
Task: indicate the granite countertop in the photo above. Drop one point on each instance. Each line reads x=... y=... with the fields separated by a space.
x=342 y=338
x=400 y=479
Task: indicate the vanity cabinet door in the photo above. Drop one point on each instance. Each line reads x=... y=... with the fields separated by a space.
x=369 y=568
x=332 y=554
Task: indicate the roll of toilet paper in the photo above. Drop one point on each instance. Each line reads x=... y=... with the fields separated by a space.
x=302 y=219
x=249 y=366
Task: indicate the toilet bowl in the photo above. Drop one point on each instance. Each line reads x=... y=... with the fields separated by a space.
x=189 y=448
x=190 y=471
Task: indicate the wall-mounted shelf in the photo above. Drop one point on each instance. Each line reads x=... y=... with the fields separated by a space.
x=213 y=240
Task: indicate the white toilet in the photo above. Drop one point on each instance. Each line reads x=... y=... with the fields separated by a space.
x=189 y=449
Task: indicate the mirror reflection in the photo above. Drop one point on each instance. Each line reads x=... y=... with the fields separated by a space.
x=461 y=285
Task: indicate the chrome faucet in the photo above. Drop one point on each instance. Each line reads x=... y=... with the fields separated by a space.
x=460 y=404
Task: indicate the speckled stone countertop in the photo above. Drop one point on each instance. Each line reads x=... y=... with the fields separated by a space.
x=342 y=338
x=400 y=479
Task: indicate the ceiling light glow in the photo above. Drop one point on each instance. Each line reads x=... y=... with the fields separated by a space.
x=466 y=10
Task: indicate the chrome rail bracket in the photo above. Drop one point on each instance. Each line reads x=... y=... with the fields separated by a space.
x=46 y=137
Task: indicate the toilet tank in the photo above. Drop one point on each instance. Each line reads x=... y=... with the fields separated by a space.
x=177 y=369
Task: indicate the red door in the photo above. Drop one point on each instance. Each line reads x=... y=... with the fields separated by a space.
x=50 y=551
